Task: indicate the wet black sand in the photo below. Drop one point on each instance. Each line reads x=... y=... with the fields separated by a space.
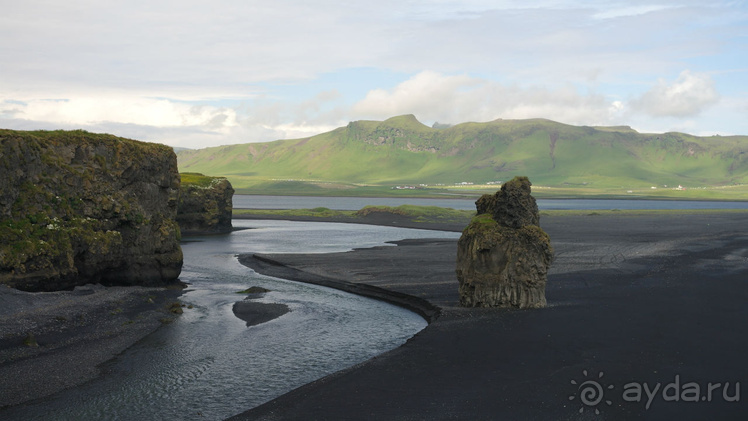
x=655 y=299
x=74 y=332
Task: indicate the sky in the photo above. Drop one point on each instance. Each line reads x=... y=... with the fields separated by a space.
x=195 y=74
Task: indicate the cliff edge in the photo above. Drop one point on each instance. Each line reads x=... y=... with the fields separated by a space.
x=205 y=204
x=79 y=208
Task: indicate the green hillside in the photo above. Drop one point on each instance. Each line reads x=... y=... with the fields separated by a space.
x=559 y=157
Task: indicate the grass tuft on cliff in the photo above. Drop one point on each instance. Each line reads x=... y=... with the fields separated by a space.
x=199 y=180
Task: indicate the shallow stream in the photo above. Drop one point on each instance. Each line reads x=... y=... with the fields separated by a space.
x=209 y=365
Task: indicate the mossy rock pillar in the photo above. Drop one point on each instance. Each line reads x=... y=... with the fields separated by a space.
x=503 y=255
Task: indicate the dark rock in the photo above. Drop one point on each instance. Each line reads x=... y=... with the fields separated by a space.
x=79 y=208
x=254 y=291
x=254 y=313
x=503 y=255
x=485 y=203
x=205 y=204
x=513 y=206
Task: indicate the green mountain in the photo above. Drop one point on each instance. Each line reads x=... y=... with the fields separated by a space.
x=401 y=150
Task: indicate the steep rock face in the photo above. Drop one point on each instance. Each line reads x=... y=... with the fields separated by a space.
x=205 y=204
x=77 y=208
x=503 y=255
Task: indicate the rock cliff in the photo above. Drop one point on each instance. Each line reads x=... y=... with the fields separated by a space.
x=78 y=208
x=205 y=204
x=503 y=255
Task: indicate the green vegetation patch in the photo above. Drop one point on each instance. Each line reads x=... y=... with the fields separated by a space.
x=481 y=224
x=175 y=307
x=293 y=213
x=425 y=214
x=420 y=213
x=484 y=219
x=371 y=210
x=198 y=180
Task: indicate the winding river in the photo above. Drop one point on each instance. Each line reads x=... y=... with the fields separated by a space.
x=210 y=365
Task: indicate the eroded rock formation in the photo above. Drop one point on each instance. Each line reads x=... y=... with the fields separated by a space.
x=78 y=208
x=503 y=255
x=205 y=204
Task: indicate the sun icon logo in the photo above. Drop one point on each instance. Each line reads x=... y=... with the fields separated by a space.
x=591 y=393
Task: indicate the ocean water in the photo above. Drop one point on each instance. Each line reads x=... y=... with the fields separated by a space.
x=356 y=203
x=209 y=365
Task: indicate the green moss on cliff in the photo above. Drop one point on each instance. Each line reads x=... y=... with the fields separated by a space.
x=534 y=234
x=483 y=220
x=76 y=205
x=205 y=204
x=489 y=232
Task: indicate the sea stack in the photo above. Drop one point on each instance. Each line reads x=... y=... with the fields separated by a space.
x=79 y=208
x=205 y=204
x=503 y=255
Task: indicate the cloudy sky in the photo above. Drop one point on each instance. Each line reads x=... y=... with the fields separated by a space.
x=205 y=73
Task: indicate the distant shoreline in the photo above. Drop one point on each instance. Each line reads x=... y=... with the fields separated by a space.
x=382 y=220
x=393 y=220
x=540 y=194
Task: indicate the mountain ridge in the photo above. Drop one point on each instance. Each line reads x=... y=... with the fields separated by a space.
x=403 y=150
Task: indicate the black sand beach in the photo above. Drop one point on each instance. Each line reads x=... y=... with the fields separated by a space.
x=73 y=333
x=650 y=301
x=647 y=318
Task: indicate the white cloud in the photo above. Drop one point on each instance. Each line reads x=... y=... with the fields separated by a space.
x=687 y=96
x=426 y=92
x=453 y=99
x=177 y=122
x=295 y=131
x=147 y=69
x=85 y=111
x=224 y=47
x=629 y=11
